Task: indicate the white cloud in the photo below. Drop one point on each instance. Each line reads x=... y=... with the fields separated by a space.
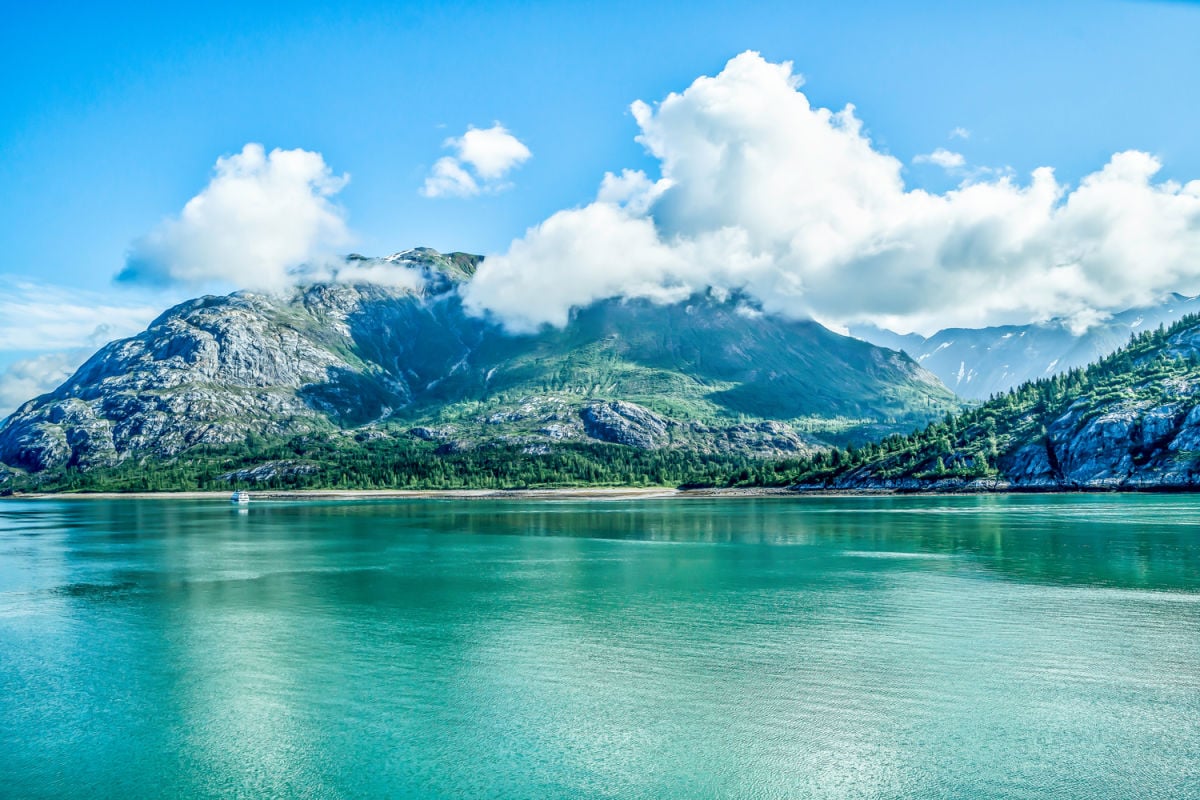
x=398 y=271
x=262 y=217
x=449 y=179
x=960 y=133
x=761 y=192
x=946 y=159
x=31 y=377
x=65 y=325
x=483 y=156
x=492 y=152
x=40 y=317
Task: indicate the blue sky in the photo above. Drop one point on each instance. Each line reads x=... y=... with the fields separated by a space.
x=113 y=116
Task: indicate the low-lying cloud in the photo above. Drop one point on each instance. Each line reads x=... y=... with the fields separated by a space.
x=482 y=158
x=55 y=330
x=32 y=377
x=35 y=316
x=262 y=217
x=761 y=192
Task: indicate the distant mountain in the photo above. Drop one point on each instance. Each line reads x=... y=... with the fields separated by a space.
x=1131 y=421
x=350 y=367
x=979 y=362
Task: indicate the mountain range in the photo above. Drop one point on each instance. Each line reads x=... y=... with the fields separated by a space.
x=394 y=383
x=218 y=382
x=977 y=363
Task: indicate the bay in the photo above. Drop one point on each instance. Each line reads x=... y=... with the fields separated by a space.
x=835 y=647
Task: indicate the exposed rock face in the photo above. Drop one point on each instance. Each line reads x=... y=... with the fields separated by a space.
x=219 y=370
x=1129 y=446
x=270 y=471
x=775 y=437
x=209 y=371
x=625 y=423
x=407 y=361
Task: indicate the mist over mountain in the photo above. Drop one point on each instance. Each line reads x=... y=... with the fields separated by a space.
x=977 y=363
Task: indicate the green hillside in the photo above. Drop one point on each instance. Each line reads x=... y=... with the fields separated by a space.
x=1131 y=420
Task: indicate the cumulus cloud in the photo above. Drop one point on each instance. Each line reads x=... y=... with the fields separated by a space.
x=946 y=159
x=482 y=158
x=960 y=133
x=449 y=179
x=262 y=217
x=761 y=192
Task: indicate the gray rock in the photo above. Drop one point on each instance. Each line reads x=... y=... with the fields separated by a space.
x=769 y=439
x=270 y=471
x=430 y=434
x=625 y=423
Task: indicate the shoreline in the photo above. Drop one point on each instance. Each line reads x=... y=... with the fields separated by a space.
x=582 y=493
x=577 y=493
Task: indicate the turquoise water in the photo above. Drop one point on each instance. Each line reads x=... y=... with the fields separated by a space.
x=1011 y=647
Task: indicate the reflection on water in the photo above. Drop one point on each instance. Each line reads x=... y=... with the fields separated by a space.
x=773 y=647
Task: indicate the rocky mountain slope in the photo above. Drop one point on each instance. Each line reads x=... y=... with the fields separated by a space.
x=350 y=364
x=1130 y=421
x=978 y=363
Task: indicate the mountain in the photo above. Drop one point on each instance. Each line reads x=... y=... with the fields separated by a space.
x=350 y=371
x=980 y=362
x=1130 y=421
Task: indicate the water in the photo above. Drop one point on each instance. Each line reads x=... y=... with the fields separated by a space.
x=1012 y=647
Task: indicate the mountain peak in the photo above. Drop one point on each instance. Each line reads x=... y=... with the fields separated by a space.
x=456 y=265
x=979 y=362
x=437 y=270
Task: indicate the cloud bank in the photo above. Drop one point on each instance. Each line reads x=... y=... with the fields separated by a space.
x=262 y=217
x=36 y=316
x=761 y=192
x=482 y=158
x=66 y=325
x=28 y=378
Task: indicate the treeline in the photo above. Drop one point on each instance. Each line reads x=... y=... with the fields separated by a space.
x=314 y=462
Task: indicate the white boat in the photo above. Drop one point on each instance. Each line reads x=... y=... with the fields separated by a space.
x=240 y=498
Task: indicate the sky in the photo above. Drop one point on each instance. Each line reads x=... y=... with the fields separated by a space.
x=149 y=154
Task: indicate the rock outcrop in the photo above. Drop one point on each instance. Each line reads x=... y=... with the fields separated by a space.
x=625 y=423
x=269 y=471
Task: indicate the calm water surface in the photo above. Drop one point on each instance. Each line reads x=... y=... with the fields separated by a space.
x=1009 y=647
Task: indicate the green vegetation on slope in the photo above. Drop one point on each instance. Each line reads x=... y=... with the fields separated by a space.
x=975 y=444
x=702 y=361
